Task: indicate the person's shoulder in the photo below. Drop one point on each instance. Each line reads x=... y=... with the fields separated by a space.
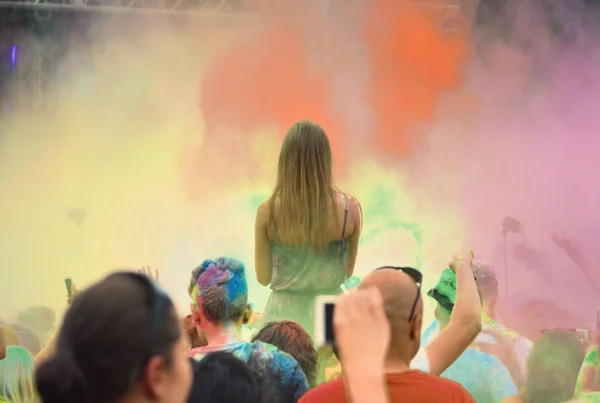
x=197 y=353
x=443 y=385
x=264 y=209
x=351 y=199
x=269 y=352
x=282 y=360
x=326 y=392
x=450 y=389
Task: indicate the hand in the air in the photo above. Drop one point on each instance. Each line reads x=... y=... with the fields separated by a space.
x=151 y=274
x=74 y=293
x=569 y=244
x=464 y=259
x=362 y=309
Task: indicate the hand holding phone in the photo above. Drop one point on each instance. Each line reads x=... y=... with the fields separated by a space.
x=323 y=327
x=69 y=286
x=361 y=309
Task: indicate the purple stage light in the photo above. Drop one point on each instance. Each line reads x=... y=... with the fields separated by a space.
x=13 y=58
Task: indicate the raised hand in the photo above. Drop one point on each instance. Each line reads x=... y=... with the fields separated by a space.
x=151 y=274
x=74 y=292
x=362 y=309
x=567 y=243
x=462 y=259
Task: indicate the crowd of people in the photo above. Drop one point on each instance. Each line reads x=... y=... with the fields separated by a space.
x=122 y=339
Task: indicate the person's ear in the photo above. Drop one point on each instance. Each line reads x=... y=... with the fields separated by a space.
x=415 y=327
x=436 y=312
x=154 y=381
x=197 y=317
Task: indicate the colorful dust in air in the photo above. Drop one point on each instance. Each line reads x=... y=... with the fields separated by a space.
x=292 y=70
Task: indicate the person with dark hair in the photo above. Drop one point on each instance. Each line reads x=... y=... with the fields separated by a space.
x=219 y=293
x=291 y=338
x=553 y=367
x=222 y=378
x=307 y=232
x=120 y=341
x=493 y=383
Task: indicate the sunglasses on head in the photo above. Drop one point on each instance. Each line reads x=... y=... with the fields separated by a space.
x=417 y=277
x=159 y=309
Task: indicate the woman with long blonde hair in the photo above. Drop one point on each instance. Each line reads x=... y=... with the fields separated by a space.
x=307 y=232
x=17 y=376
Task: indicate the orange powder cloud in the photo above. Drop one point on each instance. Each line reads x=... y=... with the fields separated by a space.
x=286 y=71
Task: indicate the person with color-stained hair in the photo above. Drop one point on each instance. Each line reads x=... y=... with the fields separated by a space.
x=16 y=376
x=553 y=367
x=219 y=293
x=121 y=341
x=508 y=346
x=493 y=383
x=291 y=338
x=307 y=232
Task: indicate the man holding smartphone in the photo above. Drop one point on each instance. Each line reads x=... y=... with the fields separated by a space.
x=405 y=364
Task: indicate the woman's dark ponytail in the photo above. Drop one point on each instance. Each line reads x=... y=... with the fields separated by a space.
x=59 y=380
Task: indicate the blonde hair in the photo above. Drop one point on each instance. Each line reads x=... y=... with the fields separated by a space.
x=304 y=192
x=17 y=376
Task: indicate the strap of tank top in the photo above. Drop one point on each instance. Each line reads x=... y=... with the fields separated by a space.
x=345 y=217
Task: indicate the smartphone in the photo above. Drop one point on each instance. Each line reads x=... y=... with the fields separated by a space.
x=512 y=225
x=324 y=309
x=69 y=285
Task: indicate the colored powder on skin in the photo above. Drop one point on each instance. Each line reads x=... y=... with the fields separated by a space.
x=588 y=375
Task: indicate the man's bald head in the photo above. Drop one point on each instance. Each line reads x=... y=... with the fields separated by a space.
x=398 y=291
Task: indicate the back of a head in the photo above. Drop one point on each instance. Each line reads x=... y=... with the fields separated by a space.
x=38 y=316
x=16 y=376
x=28 y=339
x=10 y=336
x=399 y=293
x=105 y=340
x=220 y=290
x=487 y=282
x=222 y=378
x=304 y=189
x=293 y=339
x=553 y=366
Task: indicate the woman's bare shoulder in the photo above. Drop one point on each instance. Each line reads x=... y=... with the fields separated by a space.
x=352 y=200
x=264 y=210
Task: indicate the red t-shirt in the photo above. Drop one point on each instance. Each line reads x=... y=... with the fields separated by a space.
x=411 y=386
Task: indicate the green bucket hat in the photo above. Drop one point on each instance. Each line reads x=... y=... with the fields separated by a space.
x=444 y=291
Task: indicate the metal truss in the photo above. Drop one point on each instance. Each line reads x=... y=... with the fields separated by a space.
x=451 y=15
x=200 y=7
